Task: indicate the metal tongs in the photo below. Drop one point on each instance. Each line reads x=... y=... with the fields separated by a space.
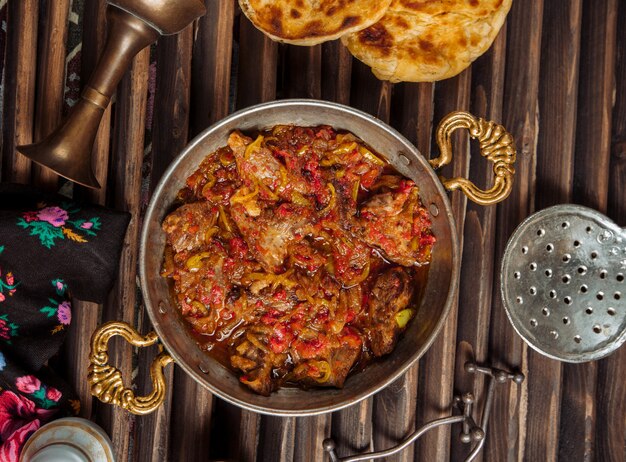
x=471 y=432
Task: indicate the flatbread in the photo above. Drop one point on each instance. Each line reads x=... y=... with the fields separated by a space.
x=428 y=40
x=309 y=22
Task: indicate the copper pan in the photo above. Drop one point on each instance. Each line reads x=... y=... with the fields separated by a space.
x=442 y=284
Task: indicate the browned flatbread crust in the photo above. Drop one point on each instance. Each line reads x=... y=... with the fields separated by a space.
x=309 y=22
x=428 y=40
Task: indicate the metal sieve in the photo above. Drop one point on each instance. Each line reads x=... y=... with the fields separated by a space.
x=562 y=283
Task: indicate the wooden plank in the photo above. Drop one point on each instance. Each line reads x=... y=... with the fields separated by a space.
x=414 y=114
x=479 y=239
x=309 y=434
x=226 y=422
x=256 y=77
x=336 y=69
x=50 y=80
x=256 y=83
x=172 y=100
x=3 y=43
x=125 y=193
x=558 y=92
x=211 y=65
x=75 y=352
x=555 y=164
x=94 y=37
x=506 y=440
x=248 y=439
x=435 y=389
x=86 y=315
x=277 y=442
x=395 y=407
x=19 y=91
x=577 y=431
x=578 y=420
x=352 y=428
x=370 y=94
x=595 y=99
x=610 y=400
x=116 y=422
x=190 y=424
x=302 y=68
x=210 y=84
x=394 y=414
x=610 y=438
x=594 y=105
x=425 y=125
x=558 y=102
x=190 y=427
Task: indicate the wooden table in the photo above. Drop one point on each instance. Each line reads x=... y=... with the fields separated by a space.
x=555 y=77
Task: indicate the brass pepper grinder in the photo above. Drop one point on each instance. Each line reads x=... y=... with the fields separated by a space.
x=132 y=26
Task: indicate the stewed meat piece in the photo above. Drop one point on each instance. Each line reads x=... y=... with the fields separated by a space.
x=255 y=365
x=351 y=258
x=270 y=233
x=186 y=227
x=255 y=164
x=331 y=366
x=385 y=316
x=397 y=223
x=259 y=168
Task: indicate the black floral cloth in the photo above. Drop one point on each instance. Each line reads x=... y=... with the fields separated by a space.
x=51 y=249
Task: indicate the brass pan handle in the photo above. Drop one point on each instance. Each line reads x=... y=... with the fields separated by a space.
x=106 y=381
x=496 y=144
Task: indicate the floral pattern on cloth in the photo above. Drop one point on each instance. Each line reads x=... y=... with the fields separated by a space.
x=19 y=419
x=50 y=223
x=8 y=286
x=50 y=248
x=8 y=329
x=46 y=397
x=21 y=416
x=61 y=309
x=26 y=403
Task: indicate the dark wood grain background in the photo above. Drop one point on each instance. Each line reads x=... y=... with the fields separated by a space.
x=555 y=77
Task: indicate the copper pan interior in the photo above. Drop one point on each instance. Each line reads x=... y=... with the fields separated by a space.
x=442 y=281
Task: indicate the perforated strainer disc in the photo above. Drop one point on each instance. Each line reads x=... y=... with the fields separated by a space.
x=562 y=283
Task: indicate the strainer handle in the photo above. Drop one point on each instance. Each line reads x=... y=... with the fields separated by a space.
x=496 y=144
x=106 y=380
